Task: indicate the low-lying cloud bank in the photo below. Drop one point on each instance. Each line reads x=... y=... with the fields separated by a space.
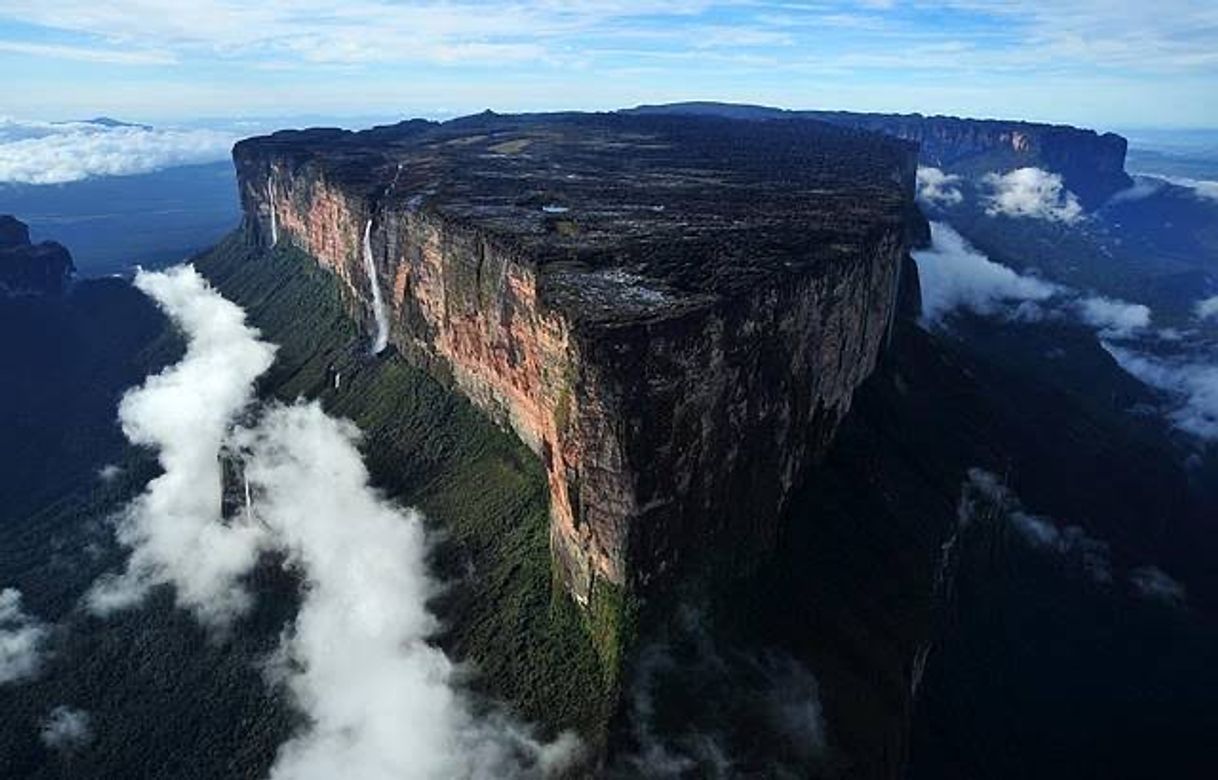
x=381 y=701
x=185 y=413
x=1191 y=383
x=1031 y=192
x=22 y=638
x=55 y=153
x=1148 y=184
x=954 y=275
x=1202 y=188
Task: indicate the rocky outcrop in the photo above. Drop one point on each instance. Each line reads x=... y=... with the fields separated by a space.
x=1091 y=164
x=672 y=312
x=31 y=269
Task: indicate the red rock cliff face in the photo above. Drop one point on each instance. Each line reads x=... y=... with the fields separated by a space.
x=683 y=425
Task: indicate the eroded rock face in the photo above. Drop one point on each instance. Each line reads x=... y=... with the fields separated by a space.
x=672 y=312
x=1091 y=164
x=31 y=269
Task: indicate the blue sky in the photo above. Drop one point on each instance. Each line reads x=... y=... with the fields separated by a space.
x=1104 y=63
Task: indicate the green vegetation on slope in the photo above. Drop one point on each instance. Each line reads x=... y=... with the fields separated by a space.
x=427 y=447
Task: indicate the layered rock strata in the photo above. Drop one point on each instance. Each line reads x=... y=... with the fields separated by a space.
x=673 y=312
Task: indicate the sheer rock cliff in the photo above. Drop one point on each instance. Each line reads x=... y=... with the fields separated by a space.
x=672 y=312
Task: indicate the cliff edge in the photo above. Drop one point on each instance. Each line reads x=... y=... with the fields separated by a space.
x=672 y=312
x=27 y=268
x=1091 y=164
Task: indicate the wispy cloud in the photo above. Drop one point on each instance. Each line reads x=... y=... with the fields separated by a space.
x=22 y=639
x=765 y=694
x=1154 y=583
x=88 y=53
x=1022 y=31
x=954 y=275
x=66 y=729
x=1191 y=382
x=1202 y=188
x=1058 y=61
x=985 y=493
x=985 y=497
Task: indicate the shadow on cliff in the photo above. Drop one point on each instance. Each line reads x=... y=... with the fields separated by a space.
x=1016 y=666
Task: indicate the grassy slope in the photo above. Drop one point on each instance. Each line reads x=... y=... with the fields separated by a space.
x=427 y=447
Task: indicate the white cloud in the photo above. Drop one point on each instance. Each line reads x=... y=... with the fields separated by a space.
x=1161 y=37
x=53 y=153
x=88 y=54
x=185 y=412
x=985 y=492
x=937 y=188
x=380 y=700
x=1069 y=541
x=1202 y=188
x=66 y=729
x=370 y=31
x=21 y=639
x=768 y=694
x=985 y=496
x=1192 y=383
x=1032 y=193
x=1148 y=184
x=1143 y=187
x=1154 y=583
x=1207 y=309
x=955 y=275
x=109 y=472
x=1114 y=318
x=1025 y=34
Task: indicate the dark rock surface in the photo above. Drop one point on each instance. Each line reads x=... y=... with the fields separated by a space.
x=673 y=312
x=13 y=232
x=1091 y=164
x=31 y=269
x=694 y=208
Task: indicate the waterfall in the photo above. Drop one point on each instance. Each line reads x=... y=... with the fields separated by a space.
x=378 y=305
x=270 y=195
x=249 y=500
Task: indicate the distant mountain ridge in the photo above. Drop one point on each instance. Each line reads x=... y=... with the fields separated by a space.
x=107 y=122
x=1091 y=164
